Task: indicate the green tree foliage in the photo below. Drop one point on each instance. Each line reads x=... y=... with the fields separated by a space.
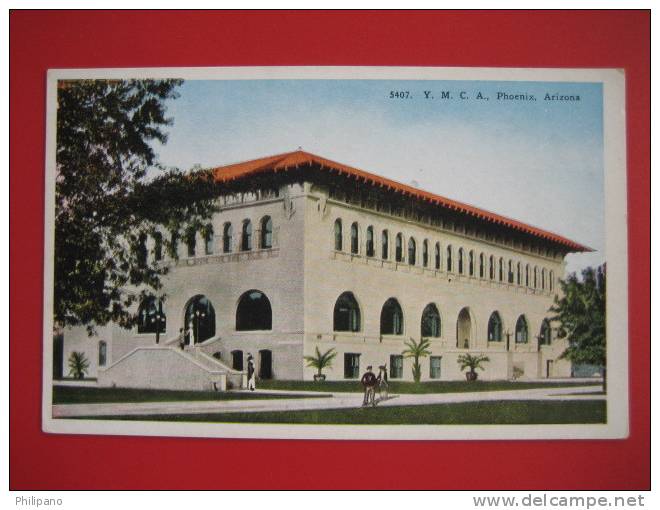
x=417 y=350
x=111 y=194
x=320 y=361
x=580 y=315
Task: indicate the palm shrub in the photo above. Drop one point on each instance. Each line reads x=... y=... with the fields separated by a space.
x=320 y=361
x=473 y=362
x=78 y=365
x=417 y=350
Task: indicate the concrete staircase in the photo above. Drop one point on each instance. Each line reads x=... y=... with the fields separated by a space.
x=168 y=367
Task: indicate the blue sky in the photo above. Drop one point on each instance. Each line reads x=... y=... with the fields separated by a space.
x=540 y=162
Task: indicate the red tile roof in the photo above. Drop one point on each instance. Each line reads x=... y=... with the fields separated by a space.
x=291 y=160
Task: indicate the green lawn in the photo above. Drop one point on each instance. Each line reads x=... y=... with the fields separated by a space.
x=91 y=395
x=411 y=387
x=523 y=412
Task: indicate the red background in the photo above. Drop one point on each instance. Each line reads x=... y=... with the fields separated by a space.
x=42 y=40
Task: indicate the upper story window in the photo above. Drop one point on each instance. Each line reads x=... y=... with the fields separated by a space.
x=471 y=263
x=545 y=336
x=355 y=238
x=346 y=315
x=501 y=271
x=495 y=328
x=227 y=235
x=412 y=251
x=449 y=258
x=266 y=232
x=491 y=267
x=158 y=246
x=551 y=281
x=536 y=276
x=527 y=275
x=385 y=247
x=543 y=278
x=174 y=245
x=460 y=261
x=425 y=253
x=208 y=240
x=481 y=265
x=246 y=238
x=338 y=235
x=370 y=241
x=518 y=273
x=103 y=353
x=510 y=275
x=399 y=247
x=522 y=331
x=438 y=261
x=391 y=318
x=191 y=241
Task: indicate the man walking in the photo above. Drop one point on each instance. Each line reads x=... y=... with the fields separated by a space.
x=369 y=383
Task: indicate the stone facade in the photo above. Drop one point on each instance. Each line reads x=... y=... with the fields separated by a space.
x=302 y=273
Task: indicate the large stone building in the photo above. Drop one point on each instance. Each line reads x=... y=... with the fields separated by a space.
x=306 y=253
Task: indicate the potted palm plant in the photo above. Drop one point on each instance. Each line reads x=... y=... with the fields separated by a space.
x=417 y=350
x=320 y=361
x=78 y=365
x=473 y=363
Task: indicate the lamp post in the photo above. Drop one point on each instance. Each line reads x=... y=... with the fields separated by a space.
x=198 y=315
x=159 y=319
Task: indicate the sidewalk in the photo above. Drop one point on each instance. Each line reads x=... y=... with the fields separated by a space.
x=336 y=401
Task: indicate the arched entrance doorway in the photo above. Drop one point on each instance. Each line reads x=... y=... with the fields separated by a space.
x=265 y=364
x=464 y=329
x=199 y=320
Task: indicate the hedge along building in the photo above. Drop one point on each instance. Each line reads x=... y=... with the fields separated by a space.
x=306 y=252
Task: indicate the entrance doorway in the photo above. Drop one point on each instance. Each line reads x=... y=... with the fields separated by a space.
x=265 y=364
x=464 y=329
x=548 y=368
x=237 y=360
x=199 y=320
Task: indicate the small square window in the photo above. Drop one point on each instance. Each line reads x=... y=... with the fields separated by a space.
x=351 y=365
x=435 y=367
x=396 y=366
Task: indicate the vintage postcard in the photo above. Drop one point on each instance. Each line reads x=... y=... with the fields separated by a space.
x=336 y=253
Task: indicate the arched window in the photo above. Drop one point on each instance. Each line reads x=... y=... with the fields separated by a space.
x=355 y=241
x=174 y=245
x=199 y=320
x=266 y=232
x=491 y=267
x=471 y=263
x=384 y=243
x=253 y=312
x=495 y=328
x=501 y=272
x=510 y=272
x=391 y=318
x=227 y=234
x=518 y=273
x=412 y=251
x=246 y=238
x=481 y=265
x=551 y=280
x=527 y=275
x=191 y=241
x=425 y=253
x=370 y=241
x=464 y=329
x=536 y=276
x=545 y=337
x=543 y=278
x=158 y=246
x=449 y=258
x=151 y=316
x=399 y=248
x=438 y=261
x=103 y=353
x=141 y=250
x=521 y=330
x=338 y=235
x=460 y=261
x=208 y=240
x=346 y=315
x=431 y=321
